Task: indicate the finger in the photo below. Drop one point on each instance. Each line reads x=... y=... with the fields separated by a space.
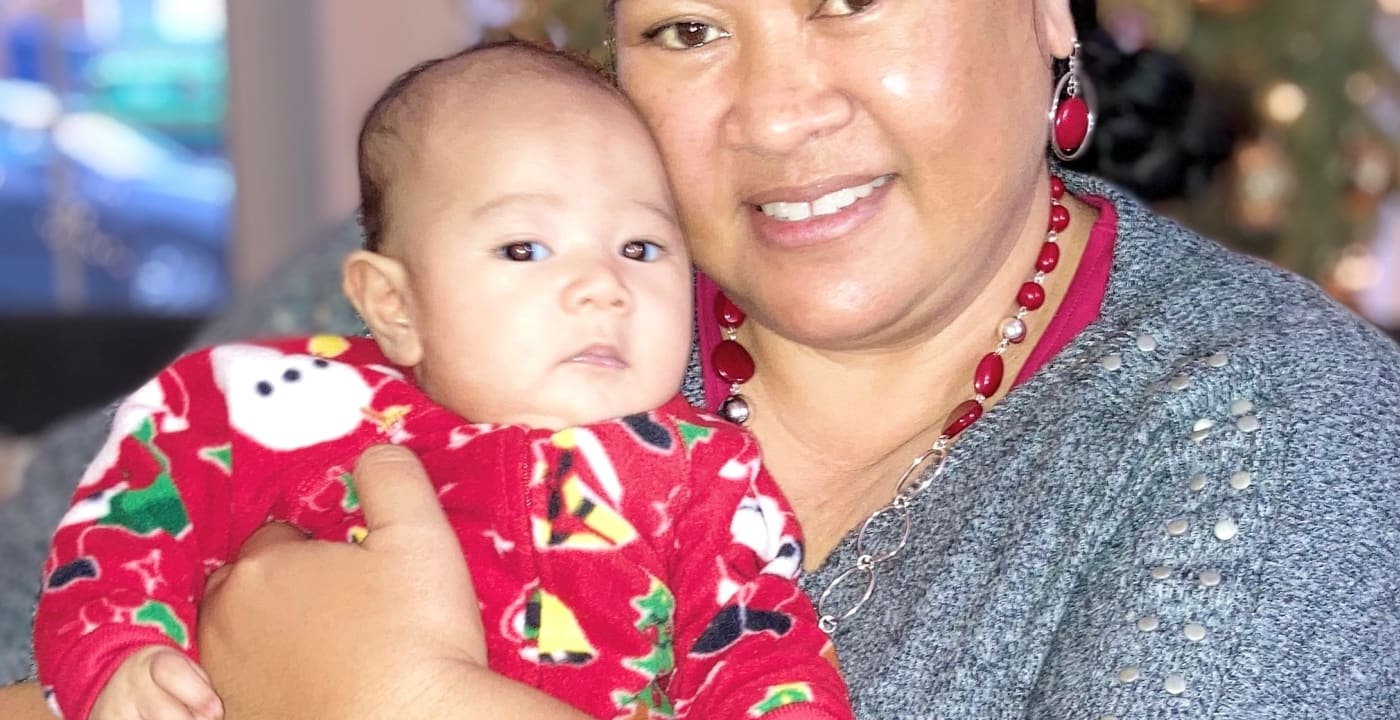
x=157 y=704
x=394 y=490
x=216 y=580
x=269 y=535
x=265 y=537
x=23 y=700
x=186 y=682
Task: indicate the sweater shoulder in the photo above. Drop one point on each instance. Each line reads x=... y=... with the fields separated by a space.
x=1282 y=336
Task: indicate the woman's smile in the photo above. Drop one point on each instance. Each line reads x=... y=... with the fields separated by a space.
x=802 y=217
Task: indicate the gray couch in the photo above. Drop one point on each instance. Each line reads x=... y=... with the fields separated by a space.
x=302 y=297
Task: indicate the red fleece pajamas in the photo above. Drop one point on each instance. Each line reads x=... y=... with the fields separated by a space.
x=638 y=567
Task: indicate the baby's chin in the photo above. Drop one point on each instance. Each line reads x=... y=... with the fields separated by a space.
x=583 y=404
x=563 y=420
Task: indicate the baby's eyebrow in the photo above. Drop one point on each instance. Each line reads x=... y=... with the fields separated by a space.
x=663 y=211
x=520 y=198
x=552 y=201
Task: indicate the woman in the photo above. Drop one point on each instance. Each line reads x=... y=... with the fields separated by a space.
x=1188 y=505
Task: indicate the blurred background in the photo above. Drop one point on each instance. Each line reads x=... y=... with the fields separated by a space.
x=159 y=159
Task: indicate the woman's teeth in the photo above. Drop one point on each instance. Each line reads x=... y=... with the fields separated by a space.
x=828 y=204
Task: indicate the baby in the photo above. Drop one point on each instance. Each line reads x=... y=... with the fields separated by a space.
x=524 y=269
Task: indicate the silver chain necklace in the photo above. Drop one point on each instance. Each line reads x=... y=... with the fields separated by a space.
x=869 y=559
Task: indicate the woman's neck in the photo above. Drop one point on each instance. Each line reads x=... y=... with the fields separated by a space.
x=838 y=427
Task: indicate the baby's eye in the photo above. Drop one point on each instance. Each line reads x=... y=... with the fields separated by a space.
x=524 y=251
x=642 y=250
x=684 y=35
x=844 y=7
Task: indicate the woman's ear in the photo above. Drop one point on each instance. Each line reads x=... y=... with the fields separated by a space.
x=378 y=287
x=1055 y=18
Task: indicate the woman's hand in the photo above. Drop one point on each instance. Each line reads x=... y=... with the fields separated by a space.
x=23 y=701
x=387 y=628
x=312 y=629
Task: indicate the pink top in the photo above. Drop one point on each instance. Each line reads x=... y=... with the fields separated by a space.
x=1080 y=307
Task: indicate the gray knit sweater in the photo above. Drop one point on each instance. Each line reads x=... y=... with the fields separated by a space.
x=1192 y=512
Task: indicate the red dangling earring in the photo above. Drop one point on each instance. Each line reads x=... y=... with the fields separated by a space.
x=1073 y=112
x=731 y=361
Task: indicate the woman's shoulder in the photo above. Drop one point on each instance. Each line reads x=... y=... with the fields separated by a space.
x=1196 y=295
x=1269 y=408
x=1250 y=344
x=1215 y=370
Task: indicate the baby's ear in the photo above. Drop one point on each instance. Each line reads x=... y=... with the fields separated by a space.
x=378 y=287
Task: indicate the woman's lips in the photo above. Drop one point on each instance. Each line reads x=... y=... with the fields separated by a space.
x=827 y=198
x=817 y=214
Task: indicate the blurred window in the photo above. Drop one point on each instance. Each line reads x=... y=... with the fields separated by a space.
x=115 y=193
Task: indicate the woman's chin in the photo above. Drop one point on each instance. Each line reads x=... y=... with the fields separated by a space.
x=836 y=324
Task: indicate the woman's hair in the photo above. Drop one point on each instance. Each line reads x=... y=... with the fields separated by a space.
x=1158 y=134
x=386 y=121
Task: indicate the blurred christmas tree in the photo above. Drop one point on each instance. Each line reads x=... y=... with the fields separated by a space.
x=576 y=24
x=1319 y=91
x=1319 y=94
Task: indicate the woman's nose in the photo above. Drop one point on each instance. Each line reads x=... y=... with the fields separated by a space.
x=783 y=99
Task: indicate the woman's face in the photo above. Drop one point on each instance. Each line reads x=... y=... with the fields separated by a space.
x=850 y=171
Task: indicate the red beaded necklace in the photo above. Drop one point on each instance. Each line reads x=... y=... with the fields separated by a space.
x=735 y=365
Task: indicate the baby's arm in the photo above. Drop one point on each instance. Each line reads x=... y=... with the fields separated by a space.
x=747 y=640
x=127 y=565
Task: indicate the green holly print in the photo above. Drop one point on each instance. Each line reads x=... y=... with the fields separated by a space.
x=155 y=507
x=159 y=615
x=780 y=696
x=350 y=502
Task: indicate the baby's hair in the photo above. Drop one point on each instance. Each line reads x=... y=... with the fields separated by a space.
x=386 y=119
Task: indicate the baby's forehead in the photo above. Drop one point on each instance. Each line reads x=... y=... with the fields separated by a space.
x=492 y=83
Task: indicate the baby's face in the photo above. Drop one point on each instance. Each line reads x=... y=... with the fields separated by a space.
x=550 y=286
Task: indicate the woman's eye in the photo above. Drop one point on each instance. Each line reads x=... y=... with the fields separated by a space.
x=524 y=251
x=642 y=250
x=843 y=7
x=684 y=35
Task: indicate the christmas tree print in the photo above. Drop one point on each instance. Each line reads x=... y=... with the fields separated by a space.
x=693 y=435
x=656 y=612
x=220 y=456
